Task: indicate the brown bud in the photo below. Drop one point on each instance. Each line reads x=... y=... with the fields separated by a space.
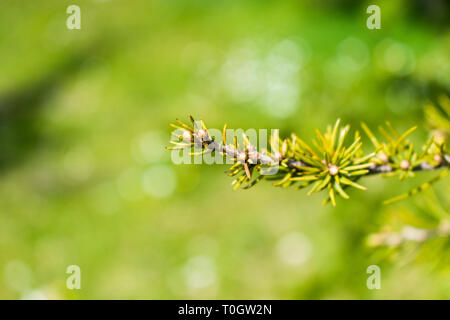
x=333 y=169
x=241 y=156
x=202 y=133
x=383 y=157
x=404 y=164
x=437 y=158
x=278 y=156
x=187 y=136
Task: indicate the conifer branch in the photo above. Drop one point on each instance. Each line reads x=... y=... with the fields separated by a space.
x=409 y=234
x=332 y=164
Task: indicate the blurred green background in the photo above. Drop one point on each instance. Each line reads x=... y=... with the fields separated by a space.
x=85 y=179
